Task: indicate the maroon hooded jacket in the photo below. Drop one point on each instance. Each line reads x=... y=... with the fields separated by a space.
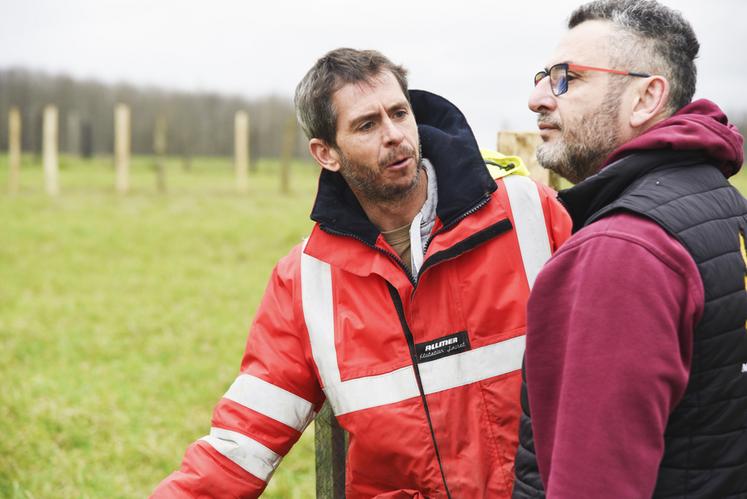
x=610 y=327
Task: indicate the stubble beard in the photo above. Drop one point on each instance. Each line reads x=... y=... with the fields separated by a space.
x=366 y=181
x=583 y=146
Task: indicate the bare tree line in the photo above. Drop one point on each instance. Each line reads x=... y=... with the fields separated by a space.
x=197 y=123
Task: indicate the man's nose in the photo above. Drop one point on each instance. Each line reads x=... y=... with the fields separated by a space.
x=391 y=132
x=542 y=99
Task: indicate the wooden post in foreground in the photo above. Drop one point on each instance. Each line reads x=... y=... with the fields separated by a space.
x=14 y=149
x=524 y=145
x=241 y=150
x=49 y=151
x=330 y=448
x=122 y=148
x=289 y=143
x=159 y=148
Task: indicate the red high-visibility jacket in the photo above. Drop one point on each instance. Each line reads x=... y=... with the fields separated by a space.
x=424 y=374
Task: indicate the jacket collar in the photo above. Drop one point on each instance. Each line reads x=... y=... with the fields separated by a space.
x=447 y=141
x=588 y=197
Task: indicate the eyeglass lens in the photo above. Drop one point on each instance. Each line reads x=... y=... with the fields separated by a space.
x=559 y=79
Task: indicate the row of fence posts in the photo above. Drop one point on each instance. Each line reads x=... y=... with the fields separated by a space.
x=330 y=440
x=122 y=147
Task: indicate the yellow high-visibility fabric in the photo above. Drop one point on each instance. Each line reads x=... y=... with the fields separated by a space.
x=744 y=255
x=501 y=165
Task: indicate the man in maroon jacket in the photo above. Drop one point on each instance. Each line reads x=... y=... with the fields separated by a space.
x=636 y=356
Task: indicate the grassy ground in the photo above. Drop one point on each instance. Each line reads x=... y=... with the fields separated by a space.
x=123 y=320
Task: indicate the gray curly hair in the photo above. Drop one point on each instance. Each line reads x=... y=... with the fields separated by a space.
x=654 y=38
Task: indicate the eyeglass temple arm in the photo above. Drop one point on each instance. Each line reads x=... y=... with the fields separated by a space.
x=615 y=71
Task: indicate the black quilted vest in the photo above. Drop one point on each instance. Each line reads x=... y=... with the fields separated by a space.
x=705 y=448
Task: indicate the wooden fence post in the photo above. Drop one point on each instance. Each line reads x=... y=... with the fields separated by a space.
x=524 y=145
x=241 y=150
x=14 y=149
x=330 y=442
x=122 y=147
x=251 y=165
x=289 y=144
x=159 y=148
x=49 y=151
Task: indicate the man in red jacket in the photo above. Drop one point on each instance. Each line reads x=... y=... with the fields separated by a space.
x=404 y=309
x=636 y=355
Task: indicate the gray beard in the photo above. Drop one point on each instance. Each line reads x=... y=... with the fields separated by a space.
x=583 y=149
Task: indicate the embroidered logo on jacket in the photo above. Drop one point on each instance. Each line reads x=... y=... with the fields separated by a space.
x=442 y=347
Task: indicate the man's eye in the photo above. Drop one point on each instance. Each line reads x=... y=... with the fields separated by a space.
x=368 y=125
x=400 y=114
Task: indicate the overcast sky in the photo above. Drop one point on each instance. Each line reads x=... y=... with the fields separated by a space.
x=481 y=55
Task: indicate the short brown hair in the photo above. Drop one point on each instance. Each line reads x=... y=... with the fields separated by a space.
x=341 y=66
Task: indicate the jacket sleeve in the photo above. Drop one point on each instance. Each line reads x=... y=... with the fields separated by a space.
x=609 y=345
x=264 y=412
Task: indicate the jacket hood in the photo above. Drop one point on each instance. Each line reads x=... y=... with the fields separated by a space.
x=699 y=126
x=447 y=141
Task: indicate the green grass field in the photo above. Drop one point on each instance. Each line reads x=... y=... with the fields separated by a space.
x=123 y=319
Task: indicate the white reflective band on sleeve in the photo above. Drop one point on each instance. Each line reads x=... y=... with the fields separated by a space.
x=272 y=401
x=529 y=221
x=244 y=451
x=398 y=385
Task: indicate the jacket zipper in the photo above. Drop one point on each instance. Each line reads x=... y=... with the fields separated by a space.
x=458 y=219
x=401 y=312
x=413 y=355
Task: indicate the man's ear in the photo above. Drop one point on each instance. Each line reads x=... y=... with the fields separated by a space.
x=650 y=101
x=324 y=154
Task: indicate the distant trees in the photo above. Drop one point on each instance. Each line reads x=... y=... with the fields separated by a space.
x=198 y=123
